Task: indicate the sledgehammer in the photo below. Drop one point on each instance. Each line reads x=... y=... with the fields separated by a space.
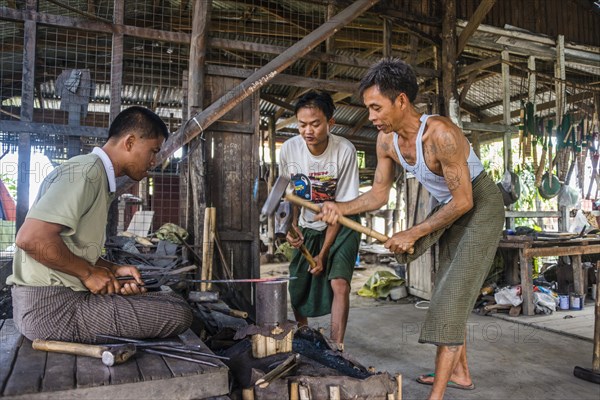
x=110 y=354
x=278 y=191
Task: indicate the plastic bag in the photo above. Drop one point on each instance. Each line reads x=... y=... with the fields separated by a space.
x=578 y=223
x=509 y=295
x=379 y=284
x=568 y=197
x=168 y=230
x=544 y=301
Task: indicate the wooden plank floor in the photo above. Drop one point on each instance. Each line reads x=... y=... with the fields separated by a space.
x=26 y=373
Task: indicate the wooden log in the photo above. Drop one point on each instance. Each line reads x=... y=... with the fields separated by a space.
x=248 y=393
x=399 y=382
x=259 y=346
x=294 y=391
x=304 y=392
x=334 y=393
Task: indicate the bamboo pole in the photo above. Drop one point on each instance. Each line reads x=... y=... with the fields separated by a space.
x=211 y=244
x=205 y=245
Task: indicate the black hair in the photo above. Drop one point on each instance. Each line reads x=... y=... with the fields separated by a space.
x=392 y=76
x=316 y=99
x=139 y=119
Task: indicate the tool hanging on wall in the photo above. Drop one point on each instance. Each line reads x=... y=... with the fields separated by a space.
x=522 y=138
x=583 y=130
x=531 y=133
x=545 y=133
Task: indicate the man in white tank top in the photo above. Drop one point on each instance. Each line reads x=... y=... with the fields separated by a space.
x=438 y=153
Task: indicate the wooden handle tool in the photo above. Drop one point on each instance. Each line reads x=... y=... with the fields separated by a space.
x=347 y=222
x=110 y=355
x=311 y=261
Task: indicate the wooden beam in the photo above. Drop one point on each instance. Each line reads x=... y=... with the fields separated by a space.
x=274 y=100
x=254 y=82
x=478 y=16
x=481 y=127
x=358 y=126
x=544 y=106
x=95 y=26
x=283 y=124
x=275 y=9
x=41 y=128
x=288 y=80
x=463 y=94
x=479 y=66
x=350 y=61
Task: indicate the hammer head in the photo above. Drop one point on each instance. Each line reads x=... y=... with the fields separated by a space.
x=275 y=196
x=117 y=354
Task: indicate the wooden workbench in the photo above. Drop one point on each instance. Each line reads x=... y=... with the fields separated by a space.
x=30 y=374
x=524 y=248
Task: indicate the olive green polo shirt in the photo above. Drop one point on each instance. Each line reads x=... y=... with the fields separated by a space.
x=76 y=195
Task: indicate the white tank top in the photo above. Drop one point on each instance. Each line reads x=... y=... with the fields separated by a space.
x=435 y=184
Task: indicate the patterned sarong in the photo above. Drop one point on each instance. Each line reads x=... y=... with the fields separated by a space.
x=466 y=251
x=59 y=313
x=311 y=295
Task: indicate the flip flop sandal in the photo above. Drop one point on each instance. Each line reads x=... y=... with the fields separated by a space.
x=451 y=384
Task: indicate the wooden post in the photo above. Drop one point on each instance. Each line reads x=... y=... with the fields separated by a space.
x=449 y=62
x=526 y=283
x=194 y=102
x=399 y=382
x=578 y=280
x=27 y=100
x=561 y=105
x=116 y=62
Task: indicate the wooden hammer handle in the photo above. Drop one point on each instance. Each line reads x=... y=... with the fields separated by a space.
x=347 y=222
x=303 y=249
x=77 y=349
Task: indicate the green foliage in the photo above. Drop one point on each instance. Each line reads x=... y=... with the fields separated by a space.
x=493 y=163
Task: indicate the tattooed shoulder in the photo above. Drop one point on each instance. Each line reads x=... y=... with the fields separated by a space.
x=447 y=142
